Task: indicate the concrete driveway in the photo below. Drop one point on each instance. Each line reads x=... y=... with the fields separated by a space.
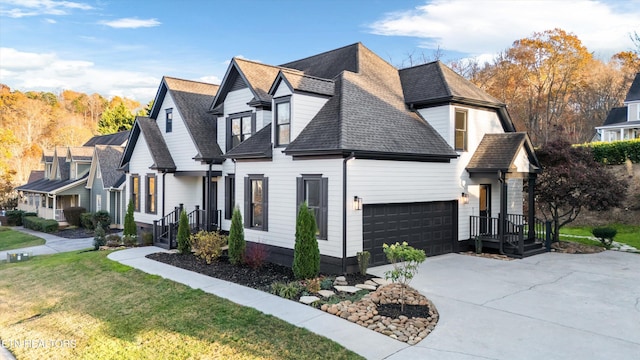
x=549 y=306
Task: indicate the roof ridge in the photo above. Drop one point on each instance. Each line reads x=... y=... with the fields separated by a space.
x=258 y=63
x=443 y=78
x=322 y=53
x=192 y=81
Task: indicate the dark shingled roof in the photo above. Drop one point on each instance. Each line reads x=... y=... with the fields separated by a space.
x=634 y=90
x=64 y=167
x=119 y=139
x=367 y=115
x=47 y=155
x=192 y=100
x=256 y=147
x=49 y=186
x=328 y=65
x=616 y=115
x=108 y=159
x=434 y=82
x=162 y=159
x=498 y=151
x=35 y=175
x=301 y=82
x=81 y=153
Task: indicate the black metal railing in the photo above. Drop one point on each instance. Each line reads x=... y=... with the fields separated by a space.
x=165 y=230
x=514 y=235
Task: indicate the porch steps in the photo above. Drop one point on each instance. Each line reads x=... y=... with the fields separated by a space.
x=531 y=247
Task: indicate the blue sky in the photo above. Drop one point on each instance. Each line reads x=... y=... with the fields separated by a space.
x=124 y=47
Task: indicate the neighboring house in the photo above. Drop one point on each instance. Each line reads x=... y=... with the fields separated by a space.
x=170 y=158
x=380 y=155
x=623 y=123
x=64 y=181
x=107 y=184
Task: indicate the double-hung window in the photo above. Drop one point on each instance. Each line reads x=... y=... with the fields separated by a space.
x=240 y=127
x=461 y=130
x=135 y=192
x=313 y=190
x=151 y=201
x=283 y=121
x=168 y=126
x=256 y=196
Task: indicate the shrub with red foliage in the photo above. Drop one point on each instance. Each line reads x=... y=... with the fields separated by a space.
x=256 y=254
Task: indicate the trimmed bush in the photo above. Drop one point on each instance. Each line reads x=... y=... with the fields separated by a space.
x=40 y=224
x=86 y=221
x=256 y=255
x=129 y=241
x=14 y=217
x=99 y=239
x=184 y=245
x=615 y=153
x=237 y=244
x=113 y=240
x=306 y=254
x=102 y=217
x=129 y=221
x=605 y=235
x=72 y=215
x=208 y=245
x=147 y=238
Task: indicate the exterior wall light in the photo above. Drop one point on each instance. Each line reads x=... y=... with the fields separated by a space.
x=464 y=198
x=357 y=203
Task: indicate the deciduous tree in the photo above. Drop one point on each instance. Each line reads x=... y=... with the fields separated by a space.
x=571 y=181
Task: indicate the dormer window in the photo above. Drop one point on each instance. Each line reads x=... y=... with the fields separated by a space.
x=168 y=126
x=283 y=121
x=461 y=130
x=240 y=127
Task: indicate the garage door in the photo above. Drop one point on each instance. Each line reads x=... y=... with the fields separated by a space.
x=429 y=226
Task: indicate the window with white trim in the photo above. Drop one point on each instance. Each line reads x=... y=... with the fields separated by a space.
x=461 y=134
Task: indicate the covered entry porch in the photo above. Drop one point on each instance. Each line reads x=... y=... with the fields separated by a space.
x=507 y=161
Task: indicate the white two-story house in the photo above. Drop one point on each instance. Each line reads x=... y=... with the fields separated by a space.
x=623 y=123
x=379 y=154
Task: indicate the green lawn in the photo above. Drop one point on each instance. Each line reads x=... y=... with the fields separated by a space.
x=11 y=239
x=627 y=234
x=105 y=310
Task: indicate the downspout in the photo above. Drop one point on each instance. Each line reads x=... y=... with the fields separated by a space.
x=344 y=211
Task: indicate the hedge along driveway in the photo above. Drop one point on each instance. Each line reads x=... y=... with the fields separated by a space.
x=615 y=153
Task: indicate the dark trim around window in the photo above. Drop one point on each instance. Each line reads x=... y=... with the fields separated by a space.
x=461 y=127
x=229 y=195
x=168 y=127
x=317 y=202
x=246 y=128
x=282 y=125
x=256 y=204
x=151 y=199
x=135 y=191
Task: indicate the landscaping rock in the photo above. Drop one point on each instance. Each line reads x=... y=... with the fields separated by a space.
x=326 y=293
x=348 y=289
x=380 y=281
x=366 y=287
x=308 y=299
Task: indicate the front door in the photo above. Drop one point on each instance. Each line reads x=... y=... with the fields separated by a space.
x=485 y=209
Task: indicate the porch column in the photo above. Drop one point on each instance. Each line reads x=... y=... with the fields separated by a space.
x=503 y=207
x=532 y=205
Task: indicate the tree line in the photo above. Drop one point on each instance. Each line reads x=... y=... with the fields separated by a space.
x=33 y=121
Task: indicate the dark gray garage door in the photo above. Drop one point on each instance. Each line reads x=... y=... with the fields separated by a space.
x=429 y=226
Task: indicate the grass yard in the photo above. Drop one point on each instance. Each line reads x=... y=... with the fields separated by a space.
x=105 y=310
x=627 y=234
x=11 y=239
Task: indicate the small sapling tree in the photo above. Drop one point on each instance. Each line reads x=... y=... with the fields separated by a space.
x=405 y=261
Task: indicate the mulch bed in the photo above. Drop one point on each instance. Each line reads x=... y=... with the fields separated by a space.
x=260 y=278
x=79 y=233
x=568 y=247
x=395 y=310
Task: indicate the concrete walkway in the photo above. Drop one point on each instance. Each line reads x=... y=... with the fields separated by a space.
x=550 y=306
x=54 y=244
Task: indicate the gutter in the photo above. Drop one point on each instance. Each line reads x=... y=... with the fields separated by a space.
x=344 y=211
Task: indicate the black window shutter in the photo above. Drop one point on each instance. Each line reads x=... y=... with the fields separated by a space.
x=265 y=204
x=247 y=202
x=324 y=196
x=228 y=134
x=228 y=210
x=299 y=194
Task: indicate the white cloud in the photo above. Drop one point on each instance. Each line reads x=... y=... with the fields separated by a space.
x=47 y=72
x=211 y=79
x=50 y=21
x=485 y=26
x=131 y=23
x=24 y=8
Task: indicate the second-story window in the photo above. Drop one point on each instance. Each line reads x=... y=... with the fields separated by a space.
x=283 y=122
x=461 y=130
x=169 y=123
x=239 y=128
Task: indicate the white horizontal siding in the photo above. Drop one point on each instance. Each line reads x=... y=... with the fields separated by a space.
x=303 y=110
x=186 y=190
x=282 y=173
x=440 y=119
x=282 y=90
